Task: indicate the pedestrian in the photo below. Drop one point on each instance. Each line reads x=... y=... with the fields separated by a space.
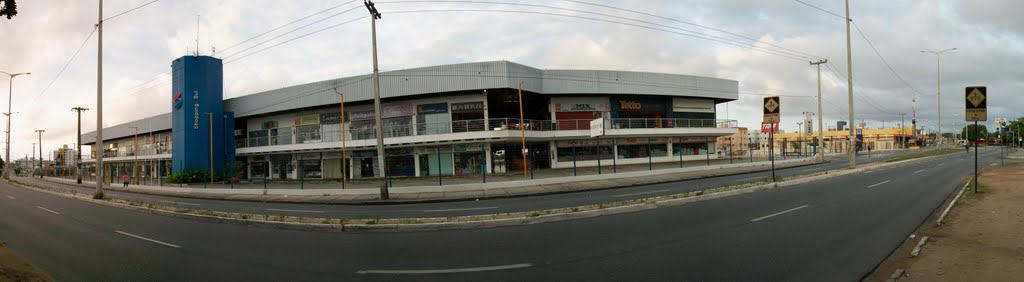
x=124 y=178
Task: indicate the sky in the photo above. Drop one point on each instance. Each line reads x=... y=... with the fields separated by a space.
x=764 y=45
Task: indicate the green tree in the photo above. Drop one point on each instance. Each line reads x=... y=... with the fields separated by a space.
x=9 y=8
x=973 y=132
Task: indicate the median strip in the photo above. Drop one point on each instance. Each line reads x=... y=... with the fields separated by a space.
x=178 y=203
x=777 y=214
x=287 y=210
x=444 y=271
x=49 y=210
x=147 y=239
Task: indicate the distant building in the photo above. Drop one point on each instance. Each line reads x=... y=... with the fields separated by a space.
x=840 y=125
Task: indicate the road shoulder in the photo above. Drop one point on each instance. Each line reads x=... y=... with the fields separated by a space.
x=14 y=268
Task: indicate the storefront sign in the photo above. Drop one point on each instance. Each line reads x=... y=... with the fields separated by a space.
x=307 y=120
x=470 y=107
x=330 y=118
x=640 y=105
x=467 y=148
x=691 y=105
x=361 y=115
x=269 y=124
x=400 y=110
x=581 y=104
x=432 y=108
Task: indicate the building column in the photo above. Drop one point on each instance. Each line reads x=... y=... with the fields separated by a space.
x=416 y=161
x=553 y=149
x=487 y=152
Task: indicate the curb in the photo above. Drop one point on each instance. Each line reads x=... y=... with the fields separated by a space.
x=920 y=244
x=949 y=207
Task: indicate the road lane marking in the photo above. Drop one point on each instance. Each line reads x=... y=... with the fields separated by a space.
x=870 y=171
x=465 y=209
x=287 y=210
x=940 y=164
x=776 y=214
x=920 y=170
x=640 y=193
x=811 y=169
x=12 y=198
x=147 y=239
x=994 y=164
x=880 y=183
x=752 y=178
x=443 y=271
x=178 y=203
x=46 y=209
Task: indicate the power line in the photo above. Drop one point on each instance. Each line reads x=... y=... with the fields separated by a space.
x=293 y=30
x=66 y=64
x=287 y=24
x=290 y=40
x=883 y=59
x=820 y=9
x=129 y=10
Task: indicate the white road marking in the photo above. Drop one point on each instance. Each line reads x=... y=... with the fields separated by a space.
x=465 y=209
x=778 y=213
x=640 y=193
x=12 y=198
x=286 y=210
x=752 y=178
x=870 y=171
x=940 y=164
x=46 y=209
x=920 y=170
x=880 y=183
x=178 y=203
x=443 y=271
x=147 y=239
x=994 y=164
x=811 y=169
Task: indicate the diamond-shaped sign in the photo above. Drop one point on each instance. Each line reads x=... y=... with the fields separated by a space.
x=771 y=105
x=976 y=104
x=771 y=109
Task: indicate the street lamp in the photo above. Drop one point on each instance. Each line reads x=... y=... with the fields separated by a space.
x=10 y=94
x=938 y=87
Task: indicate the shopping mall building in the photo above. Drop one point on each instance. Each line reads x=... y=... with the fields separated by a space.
x=449 y=119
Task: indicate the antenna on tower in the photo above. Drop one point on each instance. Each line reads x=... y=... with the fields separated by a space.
x=197 y=35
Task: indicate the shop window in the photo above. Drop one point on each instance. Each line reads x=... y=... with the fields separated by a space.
x=307 y=133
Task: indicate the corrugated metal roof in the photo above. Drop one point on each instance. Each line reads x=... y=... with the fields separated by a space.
x=155 y=123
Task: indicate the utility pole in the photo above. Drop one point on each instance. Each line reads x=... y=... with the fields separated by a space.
x=522 y=131
x=903 y=135
x=938 y=87
x=135 y=153
x=33 y=163
x=821 y=126
x=99 y=106
x=344 y=163
x=78 y=158
x=40 y=132
x=383 y=183
x=10 y=95
x=849 y=85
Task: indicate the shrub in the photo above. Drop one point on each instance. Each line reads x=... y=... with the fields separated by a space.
x=191 y=176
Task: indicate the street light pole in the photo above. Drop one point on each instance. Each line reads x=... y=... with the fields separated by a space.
x=938 y=87
x=10 y=95
x=99 y=105
x=903 y=134
x=78 y=158
x=374 y=16
x=40 y=132
x=849 y=84
x=821 y=126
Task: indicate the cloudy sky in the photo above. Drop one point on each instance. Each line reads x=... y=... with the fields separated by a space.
x=765 y=45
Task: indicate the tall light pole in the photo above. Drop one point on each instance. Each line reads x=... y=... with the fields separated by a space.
x=821 y=126
x=40 y=132
x=344 y=163
x=938 y=87
x=382 y=183
x=903 y=134
x=10 y=99
x=849 y=85
x=99 y=105
x=135 y=152
x=78 y=144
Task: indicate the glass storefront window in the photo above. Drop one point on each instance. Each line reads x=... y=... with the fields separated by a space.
x=311 y=168
x=397 y=126
x=586 y=150
x=307 y=133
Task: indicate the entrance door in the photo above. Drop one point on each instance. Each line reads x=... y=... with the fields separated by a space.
x=366 y=167
x=282 y=171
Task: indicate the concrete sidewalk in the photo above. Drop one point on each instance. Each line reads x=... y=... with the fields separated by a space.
x=447 y=192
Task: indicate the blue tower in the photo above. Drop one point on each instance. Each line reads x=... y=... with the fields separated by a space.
x=197 y=103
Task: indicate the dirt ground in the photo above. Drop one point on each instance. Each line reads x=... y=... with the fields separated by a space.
x=982 y=238
x=13 y=268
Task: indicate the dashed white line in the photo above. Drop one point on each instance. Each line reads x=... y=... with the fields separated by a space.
x=9 y=196
x=178 y=203
x=778 y=213
x=443 y=271
x=752 y=178
x=880 y=183
x=811 y=169
x=920 y=170
x=287 y=210
x=640 y=193
x=49 y=210
x=870 y=171
x=147 y=239
x=994 y=164
x=465 y=209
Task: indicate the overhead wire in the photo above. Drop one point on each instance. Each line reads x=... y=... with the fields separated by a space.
x=65 y=67
x=130 y=10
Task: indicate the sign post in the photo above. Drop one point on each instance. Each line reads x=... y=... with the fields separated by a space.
x=596 y=130
x=771 y=116
x=976 y=107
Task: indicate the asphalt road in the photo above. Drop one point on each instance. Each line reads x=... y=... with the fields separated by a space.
x=834 y=229
x=487 y=206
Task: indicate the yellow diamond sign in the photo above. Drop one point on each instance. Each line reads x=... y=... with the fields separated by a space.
x=976 y=103
x=771 y=109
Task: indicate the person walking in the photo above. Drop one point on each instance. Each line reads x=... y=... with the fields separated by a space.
x=124 y=178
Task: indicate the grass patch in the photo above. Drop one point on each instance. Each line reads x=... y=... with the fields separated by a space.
x=937 y=152
x=969 y=196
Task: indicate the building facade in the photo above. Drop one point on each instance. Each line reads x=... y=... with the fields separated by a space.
x=455 y=119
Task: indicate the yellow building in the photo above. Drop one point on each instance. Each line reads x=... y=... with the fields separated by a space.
x=838 y=141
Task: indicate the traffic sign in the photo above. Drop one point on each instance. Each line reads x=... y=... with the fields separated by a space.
x=976 y=103
x=771 y=109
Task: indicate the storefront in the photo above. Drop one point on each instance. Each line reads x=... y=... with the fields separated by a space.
x=631 y=148
x=575 y=113
x=309 y=165
x=436 y=160
x=281 y=166
x=397 y=120
x=433 y=119
x=332 y=165
x=330 y=126
x=467 y=116
x=468 y=159
x=400 y=161
x=584 y=149
x=639 y=112
x=691 y=146
x=307 y=129
x=364 y=163
x=362 y=125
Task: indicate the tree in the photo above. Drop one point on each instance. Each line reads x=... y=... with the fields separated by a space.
x=9 y=8
x=973 y=132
